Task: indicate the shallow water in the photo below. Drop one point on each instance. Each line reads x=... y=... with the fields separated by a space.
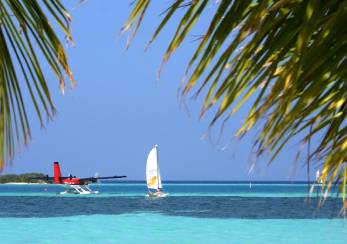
x=193 y=213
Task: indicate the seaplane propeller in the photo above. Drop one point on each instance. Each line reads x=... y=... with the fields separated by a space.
x=74 y=184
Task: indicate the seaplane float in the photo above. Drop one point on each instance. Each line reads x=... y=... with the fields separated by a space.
x=73 y=184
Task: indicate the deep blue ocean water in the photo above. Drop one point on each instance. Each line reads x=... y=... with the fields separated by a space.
x=192 y=213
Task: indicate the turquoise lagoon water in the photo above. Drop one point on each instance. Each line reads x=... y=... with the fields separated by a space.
x=193 y=213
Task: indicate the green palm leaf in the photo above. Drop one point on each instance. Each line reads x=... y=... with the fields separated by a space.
x=26 y=38
x=291 y=55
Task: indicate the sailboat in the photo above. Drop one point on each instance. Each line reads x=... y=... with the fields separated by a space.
x=153 y=175
x=318 y=177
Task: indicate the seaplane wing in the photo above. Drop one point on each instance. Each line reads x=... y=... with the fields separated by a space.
x=74 y=178
x=94 y=179
x=47 y=178
x=50 y=178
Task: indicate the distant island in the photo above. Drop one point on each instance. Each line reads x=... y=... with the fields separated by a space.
x=23 y=178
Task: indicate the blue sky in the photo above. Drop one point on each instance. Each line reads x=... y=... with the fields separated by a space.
x=119 y=110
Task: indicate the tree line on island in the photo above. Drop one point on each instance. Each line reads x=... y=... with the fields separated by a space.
x=23 y=178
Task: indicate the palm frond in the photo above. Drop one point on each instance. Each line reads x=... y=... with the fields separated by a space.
x=290 y=55
x=26 y=39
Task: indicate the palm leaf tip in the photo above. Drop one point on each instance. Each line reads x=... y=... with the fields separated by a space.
x=22 y=53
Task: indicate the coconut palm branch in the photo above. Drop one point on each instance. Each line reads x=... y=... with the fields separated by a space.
x=27 y=40
x=290 y=56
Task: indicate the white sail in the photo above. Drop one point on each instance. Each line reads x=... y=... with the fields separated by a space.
x=152 y=170
x=318 y=177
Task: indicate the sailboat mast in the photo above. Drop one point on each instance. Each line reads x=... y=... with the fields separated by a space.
x=156 y=150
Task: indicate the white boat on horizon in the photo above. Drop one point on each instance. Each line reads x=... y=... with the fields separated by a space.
x=319 y=180
x=153 y=175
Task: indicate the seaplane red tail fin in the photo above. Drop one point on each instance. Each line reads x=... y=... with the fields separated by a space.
x=57 y=174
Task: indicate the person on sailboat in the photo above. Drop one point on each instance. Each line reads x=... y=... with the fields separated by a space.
x=157 y=193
